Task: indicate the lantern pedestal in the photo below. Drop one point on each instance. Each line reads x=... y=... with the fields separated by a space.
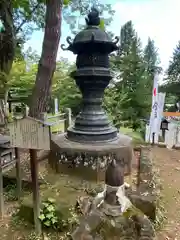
x=89 y=161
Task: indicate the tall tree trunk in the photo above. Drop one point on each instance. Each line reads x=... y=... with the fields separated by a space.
x=7 y=48
x=47 y=63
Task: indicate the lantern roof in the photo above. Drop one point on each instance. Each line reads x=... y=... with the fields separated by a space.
x=92 y=38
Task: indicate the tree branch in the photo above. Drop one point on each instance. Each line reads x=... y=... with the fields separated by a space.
x=25 y=20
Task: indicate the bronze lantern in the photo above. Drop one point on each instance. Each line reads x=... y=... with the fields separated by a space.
x=164 y=125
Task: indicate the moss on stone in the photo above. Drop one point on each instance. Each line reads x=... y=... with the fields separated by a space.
x=64 y=191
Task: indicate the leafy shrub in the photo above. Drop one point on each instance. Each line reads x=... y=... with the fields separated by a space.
x=61 y=222
x=48 y=216
x=10 y=192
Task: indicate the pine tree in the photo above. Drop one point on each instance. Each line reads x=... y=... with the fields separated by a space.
x=174 y=65
x=134 y=80
x=151 y=58
x=133 y=77
x=127 y=35
x=172 y=82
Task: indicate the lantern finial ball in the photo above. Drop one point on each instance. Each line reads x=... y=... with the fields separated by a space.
x=93 y=18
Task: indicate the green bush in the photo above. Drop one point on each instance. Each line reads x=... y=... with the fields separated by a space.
x=48 y=216
x=53 y=219
x=10 y=192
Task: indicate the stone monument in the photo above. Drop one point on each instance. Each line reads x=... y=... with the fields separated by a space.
x=111 y=215
x=91 y=143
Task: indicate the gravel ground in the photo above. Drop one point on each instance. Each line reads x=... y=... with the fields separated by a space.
x=168 y=162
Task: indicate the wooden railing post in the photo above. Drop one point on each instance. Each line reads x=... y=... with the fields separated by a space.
x=68 y=119
x=139 y=167
x=43 y=116
x=26 y=111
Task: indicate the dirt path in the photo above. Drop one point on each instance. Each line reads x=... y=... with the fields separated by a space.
x=168 y=163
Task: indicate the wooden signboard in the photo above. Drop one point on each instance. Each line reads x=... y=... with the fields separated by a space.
x=29 y=133
x=32 y=134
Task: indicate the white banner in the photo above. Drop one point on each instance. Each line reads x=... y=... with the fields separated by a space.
x=154 y=111
x=158 y=100
x=161 y=101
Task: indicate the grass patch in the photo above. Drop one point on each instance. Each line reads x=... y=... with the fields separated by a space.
x=136 y=136
x=58 y=126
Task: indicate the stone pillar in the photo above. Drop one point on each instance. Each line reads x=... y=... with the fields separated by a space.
x=68 y=119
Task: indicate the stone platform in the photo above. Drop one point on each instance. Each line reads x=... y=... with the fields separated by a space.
x=89 y=160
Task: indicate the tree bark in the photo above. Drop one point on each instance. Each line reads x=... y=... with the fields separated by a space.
x=7 y=38
x=47 y=63
x=7 y=49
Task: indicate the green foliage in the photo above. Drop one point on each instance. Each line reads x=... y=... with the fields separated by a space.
x=113 y=104
x=63 y=222
x=151 y=58
x=64 y=87
x=66 y=2
x=127 y=34
x=48 y=215
x=102 y=24
x=132 y=77
x=27 y=12
x=174 y=66
x=10 y=192
x=129 y=98
x=75 y=11
x=171 y=85
x=22 y=79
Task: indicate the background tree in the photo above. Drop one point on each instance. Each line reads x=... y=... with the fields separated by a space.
x=151 y=59
x=47 y=63
x=131 y=78
x=127 y=35
x=171 y=83
x=64 y=87
x=18 y=19
x=113 y=103
x=75 y=11
x=22 y=80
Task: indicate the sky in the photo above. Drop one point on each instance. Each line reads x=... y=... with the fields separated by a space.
x=156 y=19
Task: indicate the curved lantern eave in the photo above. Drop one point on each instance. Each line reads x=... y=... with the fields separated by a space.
x=91 y=46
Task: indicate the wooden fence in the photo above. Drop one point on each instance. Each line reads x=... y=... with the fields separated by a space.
x=58 y=122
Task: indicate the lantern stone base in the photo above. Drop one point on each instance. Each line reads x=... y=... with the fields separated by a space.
x=89 y=161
